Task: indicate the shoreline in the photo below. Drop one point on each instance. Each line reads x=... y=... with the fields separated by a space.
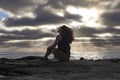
x=33 y=68
x=95 y=55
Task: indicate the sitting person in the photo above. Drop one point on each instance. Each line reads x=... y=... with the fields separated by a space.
x=62 y=41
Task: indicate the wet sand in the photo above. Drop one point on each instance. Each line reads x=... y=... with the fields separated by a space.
x=33 y=68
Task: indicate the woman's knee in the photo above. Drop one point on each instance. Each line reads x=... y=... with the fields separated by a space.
x=49 y=50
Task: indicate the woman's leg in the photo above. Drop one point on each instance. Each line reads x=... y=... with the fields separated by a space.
x=61 y=55
x=48 y=52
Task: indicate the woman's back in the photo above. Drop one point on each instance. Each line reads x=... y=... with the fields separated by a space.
x=64 y=45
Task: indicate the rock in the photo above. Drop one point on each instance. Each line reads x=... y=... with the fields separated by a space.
x=82 y=58
x=30 y=58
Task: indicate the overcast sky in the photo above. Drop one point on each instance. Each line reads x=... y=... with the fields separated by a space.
x=31 y=24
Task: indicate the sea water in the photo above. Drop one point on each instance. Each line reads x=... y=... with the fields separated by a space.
x=74 y=55
x=97 y=55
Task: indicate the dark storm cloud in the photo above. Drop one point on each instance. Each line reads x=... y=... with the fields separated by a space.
x=17 y=6
x=19 y=22
x=64 y=3
x=73 y=17
x=25 y=34
x=42 y=16
x=111 y=15
x=113 y=41
x=90 y=32
x=2 y=43
x=86 y=31
x=111 y=18
x=111 y=30
x=55 y=4
x=114 y=4
x=46 y=18
x=117 y=6
x=99 y=42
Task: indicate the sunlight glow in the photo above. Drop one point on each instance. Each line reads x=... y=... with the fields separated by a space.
x=117 y=27
x=89 y=16
x=75 y=23
x=104 y=35
x=30 y=15
x=60 y=14
x=48 y=27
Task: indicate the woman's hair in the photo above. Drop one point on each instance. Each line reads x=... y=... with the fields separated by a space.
x=67 y=33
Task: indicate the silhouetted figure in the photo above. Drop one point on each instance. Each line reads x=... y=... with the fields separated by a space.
x=62 y=41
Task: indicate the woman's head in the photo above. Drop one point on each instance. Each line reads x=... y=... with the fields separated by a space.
x=66 y=32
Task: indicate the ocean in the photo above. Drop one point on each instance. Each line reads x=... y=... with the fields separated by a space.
x=74 y=55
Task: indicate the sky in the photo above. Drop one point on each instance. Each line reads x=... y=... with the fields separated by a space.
x=30 y=25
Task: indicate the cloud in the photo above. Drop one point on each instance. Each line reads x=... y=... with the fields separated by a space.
x=113 y=5
x=43 y=17
x=22 y=44
x=73 y=17
x=19 y=6
x=84 y=31
x=44 y=11
x=97 y=40
x=23 y=38
x=113 y=41
x=26 y=34
x=46 y=18
x=111 y=18
x=63 y=3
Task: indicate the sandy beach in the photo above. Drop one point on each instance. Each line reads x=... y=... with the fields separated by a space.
x=33 y=68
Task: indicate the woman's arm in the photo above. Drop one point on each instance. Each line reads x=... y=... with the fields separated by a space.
x=58 y=38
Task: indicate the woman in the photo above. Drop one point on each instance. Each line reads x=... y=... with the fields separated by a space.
x=62 y=41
